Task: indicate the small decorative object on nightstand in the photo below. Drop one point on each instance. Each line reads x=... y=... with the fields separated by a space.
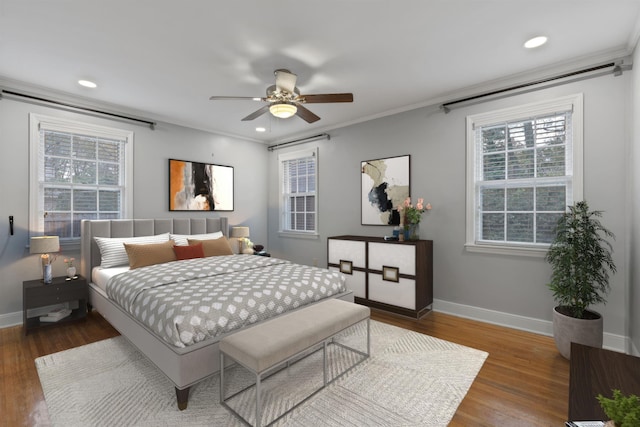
x=71 y=269
x=36 y=294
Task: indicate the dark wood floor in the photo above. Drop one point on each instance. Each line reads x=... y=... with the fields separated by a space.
x=523 y=382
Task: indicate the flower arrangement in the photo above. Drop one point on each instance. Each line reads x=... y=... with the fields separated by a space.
x=410 y=214
x=69 y=261
x=410 y=217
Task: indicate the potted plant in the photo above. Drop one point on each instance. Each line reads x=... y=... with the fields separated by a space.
x=623 y=411
x=580 y=258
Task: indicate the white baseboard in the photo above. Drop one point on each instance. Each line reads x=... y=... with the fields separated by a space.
x=529 y=324
x=10 y=319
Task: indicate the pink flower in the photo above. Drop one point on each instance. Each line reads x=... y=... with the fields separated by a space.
x=410 y=214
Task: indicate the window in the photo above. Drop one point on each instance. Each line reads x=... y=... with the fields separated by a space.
x=524 y=166
x=78 y=171
x=298 y=206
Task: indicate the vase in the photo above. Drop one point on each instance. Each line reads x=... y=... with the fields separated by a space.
x=71 y=272
x=47 y=275
x=412 y=232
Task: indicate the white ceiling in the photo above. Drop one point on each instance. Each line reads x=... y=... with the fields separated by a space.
x=162 y=59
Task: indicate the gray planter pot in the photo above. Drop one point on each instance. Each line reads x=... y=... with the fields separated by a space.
x=567 y=329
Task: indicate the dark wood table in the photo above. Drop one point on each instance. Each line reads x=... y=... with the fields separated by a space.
x=36 y=294
x=596 y=371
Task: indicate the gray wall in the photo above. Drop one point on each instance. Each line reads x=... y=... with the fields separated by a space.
x=502 y=289
x=634 y=203
x=152 y=150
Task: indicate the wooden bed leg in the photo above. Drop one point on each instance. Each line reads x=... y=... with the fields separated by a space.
x=182 y=397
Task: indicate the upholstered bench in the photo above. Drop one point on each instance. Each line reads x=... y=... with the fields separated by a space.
x=268 y=346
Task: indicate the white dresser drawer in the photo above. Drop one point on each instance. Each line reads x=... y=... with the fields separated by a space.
x=401 y=293
x=347 y=250
x=403 y=257
x=356 y=282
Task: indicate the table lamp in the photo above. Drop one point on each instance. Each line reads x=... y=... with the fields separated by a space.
x=240 y=233
x=45 y=245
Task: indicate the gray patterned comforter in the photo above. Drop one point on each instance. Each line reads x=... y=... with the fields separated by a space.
x=186 y=302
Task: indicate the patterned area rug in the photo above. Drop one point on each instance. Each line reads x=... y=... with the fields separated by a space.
x=410 y=379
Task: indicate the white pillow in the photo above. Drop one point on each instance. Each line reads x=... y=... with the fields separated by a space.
x=112 y=250
x=181 y=239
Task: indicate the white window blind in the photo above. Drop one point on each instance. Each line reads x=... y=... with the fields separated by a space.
x=524 y=174
x=78 y=172
x=298 y=174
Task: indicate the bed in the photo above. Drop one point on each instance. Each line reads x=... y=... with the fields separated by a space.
x=185 y=364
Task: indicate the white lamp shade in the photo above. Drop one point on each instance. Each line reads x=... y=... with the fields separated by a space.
x=44 y=244
x=283 y=111
x=239 y=232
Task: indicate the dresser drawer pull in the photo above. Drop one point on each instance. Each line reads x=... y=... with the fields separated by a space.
x=390 y=274
x=346 y=267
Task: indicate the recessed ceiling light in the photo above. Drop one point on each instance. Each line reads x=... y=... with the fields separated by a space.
x=87 y=83
x=261 y=129
x=535 y=42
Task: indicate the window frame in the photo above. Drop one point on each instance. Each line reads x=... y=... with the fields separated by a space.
x=36 y=195
x=573 y=103
x=285 y=157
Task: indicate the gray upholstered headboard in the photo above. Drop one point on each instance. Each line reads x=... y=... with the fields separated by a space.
x=90 y=254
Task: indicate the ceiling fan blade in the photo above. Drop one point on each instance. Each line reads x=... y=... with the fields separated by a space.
x=326 y=97
x=256 y=113
x=286 y=80
x=236 y=98
x=306 y=115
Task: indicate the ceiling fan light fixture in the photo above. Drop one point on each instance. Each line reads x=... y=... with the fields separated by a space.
x=87 y=83
x=535 y=42
x=283 y=110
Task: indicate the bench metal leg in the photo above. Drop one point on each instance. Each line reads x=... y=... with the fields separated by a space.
x=324 y=363
x=221 y=377
x=258 y=402
x=368 y=337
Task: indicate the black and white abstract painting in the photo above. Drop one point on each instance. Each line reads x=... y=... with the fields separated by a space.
x=195 y=186
x=385 y=186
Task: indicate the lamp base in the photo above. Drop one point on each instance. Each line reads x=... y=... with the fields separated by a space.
x=47 y=274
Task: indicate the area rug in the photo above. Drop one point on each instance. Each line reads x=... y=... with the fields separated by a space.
x=410 y=379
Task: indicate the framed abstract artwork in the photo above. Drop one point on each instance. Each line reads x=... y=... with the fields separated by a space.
x=385 y=185
x=195 y=186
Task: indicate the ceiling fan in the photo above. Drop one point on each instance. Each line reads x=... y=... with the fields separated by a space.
x=284 y=99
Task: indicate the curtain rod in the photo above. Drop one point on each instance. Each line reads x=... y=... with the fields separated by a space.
x=617 y=70
x=3 y=92
x=300 y=141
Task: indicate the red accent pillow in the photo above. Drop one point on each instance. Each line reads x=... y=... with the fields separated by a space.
x=189 y=252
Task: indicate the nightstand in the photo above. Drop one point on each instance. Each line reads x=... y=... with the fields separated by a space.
x=36 y=294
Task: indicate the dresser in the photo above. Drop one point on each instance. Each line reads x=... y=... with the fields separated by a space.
x=389 y=275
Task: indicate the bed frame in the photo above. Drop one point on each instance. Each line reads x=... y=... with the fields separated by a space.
x=183 y=366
